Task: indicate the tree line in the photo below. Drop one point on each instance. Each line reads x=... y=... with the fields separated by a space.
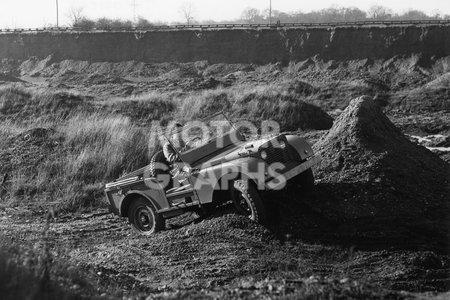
x=336 y=14
x=254 y=16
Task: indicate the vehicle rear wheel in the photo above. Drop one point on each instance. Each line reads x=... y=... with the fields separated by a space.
x=247 y=201
x=143 y=217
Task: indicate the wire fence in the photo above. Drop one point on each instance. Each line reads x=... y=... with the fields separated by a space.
x=232 y=26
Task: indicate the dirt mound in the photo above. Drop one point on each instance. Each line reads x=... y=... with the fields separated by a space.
x=17 y=102
x=224 y=69
x=34 y=66
x=180 y=72
x=27 y=150
x=421 y=100
x=312 y=117
x=378 y=183
x=74 y=78
x=285 y=108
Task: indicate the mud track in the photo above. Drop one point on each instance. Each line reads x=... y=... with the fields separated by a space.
x=223 y=256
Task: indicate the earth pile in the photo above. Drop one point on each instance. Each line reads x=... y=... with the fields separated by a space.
x=378 y=185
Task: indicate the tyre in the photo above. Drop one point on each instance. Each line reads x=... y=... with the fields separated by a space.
x=143 y=217
x=303 y=181
x=207 y=210
x=247 y=201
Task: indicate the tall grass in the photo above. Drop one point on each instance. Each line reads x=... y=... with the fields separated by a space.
x=99 y=148
x=94 y=149
x=103 y=146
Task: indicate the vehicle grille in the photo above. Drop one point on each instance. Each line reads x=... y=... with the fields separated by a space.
x=277 y=154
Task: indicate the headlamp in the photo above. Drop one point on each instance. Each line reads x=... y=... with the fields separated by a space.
x=263 y=154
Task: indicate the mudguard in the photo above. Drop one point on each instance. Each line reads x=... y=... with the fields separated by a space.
x=301 y=146
x=124 y=205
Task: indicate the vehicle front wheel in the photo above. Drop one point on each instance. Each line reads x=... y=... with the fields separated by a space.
x=247 y=201
x=143 y=217
x=303 y=181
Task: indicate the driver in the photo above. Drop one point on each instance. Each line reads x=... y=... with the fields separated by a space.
x=178 y=169
x=169 y=152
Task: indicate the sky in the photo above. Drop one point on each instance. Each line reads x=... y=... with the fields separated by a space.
x=39 y=13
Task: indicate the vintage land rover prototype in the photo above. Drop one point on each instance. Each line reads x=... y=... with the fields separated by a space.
x=223 y=167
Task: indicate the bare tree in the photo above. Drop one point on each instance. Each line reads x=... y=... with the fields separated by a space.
x=251 y=15
x=187 y=10
x=353 y=14
x=378 y=12
x=75 y=15
x=437 y=14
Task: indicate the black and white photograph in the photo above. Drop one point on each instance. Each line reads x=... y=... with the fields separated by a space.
x=239 y=149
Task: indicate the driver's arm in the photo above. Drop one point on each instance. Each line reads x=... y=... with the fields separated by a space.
x=170 y=153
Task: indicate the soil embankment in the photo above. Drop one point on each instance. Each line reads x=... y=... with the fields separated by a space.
x=260 y=46
x=379 y=183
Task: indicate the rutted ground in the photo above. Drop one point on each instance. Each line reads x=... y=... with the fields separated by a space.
x=244 y=260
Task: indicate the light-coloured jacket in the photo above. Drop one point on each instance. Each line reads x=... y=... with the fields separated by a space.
x=170 y=153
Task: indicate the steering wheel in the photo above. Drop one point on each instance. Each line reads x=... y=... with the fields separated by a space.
x=186 y=147
x=194 y=139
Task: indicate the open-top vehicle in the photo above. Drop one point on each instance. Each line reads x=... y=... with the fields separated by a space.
x=222 y=167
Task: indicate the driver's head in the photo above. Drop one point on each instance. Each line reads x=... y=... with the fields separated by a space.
x=177 y=135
